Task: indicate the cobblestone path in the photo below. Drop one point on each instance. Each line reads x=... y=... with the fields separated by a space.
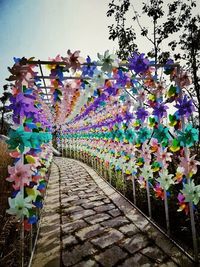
x=86 y=223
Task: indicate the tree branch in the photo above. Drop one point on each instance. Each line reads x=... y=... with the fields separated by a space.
x=141 y=28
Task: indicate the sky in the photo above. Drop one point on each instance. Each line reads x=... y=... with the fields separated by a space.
x=45 y=28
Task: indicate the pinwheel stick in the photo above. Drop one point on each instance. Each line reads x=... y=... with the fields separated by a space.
x=22 y=222
x=147 y=183
x=134 y=191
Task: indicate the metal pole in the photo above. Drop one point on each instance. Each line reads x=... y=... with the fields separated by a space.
x=123 y=178
x=166 y=212
x=31 y=239
x=22 y=231
x=96 y=164
x=46 y=62
x=69 y=151
x=42 y=77
x=148 y=199
x=134 y=191
x=104 y=171
x=110 y=175
x=194 y=235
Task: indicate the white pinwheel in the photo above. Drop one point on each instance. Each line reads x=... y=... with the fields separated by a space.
x=19 y=205
x=147 y=172
x=165 y=179
x=191 y=192
x=108 y=61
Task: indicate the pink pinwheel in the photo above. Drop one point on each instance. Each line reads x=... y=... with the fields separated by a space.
x=189 y=165
x=159 y=192
x=163 y=156
x=184 y=80
x=141 y=95
x=56 y=59
x=20 y=174
x=146 y=152
x=74 y=60
x=154 y=145
x=22 y=73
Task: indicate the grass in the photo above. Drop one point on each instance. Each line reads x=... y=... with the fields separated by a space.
x=5 y=187
x=5 y=158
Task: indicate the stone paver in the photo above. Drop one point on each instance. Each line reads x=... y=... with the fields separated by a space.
x=135 y=243
x=90 y=231
x=82 y=214
x=154 y=253
x=103 y=208
x=89 y=263
x=116 y=222
x=111 y=256
x=73 y=226
x=137 y=261
x=69 y=241
x=79 y=252
x=108 y=238
x=129 y=229
x=92 y=205
x=96 y=225
x=97 y=218
x=115 y=212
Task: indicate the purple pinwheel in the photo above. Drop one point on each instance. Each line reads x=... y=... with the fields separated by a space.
x=138 y=63
x=111 y=91
x=184 y=106
x=89 y=68
x=169 y=66
x=160 y=110
x=22 y=106
x=128 y=116
x=118 y=118
x=142 y=114
x=57 y=73
x=122 y=78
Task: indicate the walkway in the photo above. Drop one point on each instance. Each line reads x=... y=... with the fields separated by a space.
x=86 y=223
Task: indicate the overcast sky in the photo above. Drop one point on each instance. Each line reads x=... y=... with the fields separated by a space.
x=45 y=28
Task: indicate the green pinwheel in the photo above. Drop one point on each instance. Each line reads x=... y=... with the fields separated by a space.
x=143 y=134
x=191 y=192
x=119 y=135
x=162 y=135
x=36 y=140
x=188 y=137
x=19 y=139
x=130 y=135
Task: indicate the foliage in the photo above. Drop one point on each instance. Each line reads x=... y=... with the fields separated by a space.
x=174 y=24
x=165 y=21
x=3 y=99
x=126 y=35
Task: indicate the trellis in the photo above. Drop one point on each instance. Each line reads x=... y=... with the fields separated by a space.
x=92 y=110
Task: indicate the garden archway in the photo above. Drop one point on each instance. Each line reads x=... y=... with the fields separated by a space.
x=131 y=117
